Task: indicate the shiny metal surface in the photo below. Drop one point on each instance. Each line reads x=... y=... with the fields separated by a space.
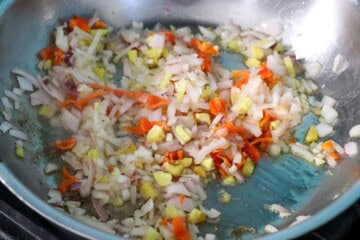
x=317 y=30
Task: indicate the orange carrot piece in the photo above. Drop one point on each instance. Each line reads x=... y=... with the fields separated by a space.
x=99 y=24
x=58 y=57
x=334 y=155
x=170 y=37
x=68 y=179
x=95 y=86
x=206 y=65
x=117 y=114
x=180 y=230
x=261 y=140
x=81 y=103
x=217 y=105
x=267 y=75
x=65 y=145
x=327 y=145
x=204 y=47
x=292 y=140
x=153 y=102
x=46 y=53
x=242 y=77
x=65 y=103
x=182 y=199
x=111 y=168
x=223 y=173
x=266 y=120
x=252 y=151
x=52 y=53
x=80 y=23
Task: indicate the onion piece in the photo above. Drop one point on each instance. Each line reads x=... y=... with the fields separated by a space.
x=18 y=134
x=26 y=75
x=69 y=121
x=272 y=27
x=212 y=213
x=50 y=167
x=324 y=130
x=351 y=148
x=355 y=131
x=5 y=126
x=39 y=97
x=312 y=69
x=340 y=64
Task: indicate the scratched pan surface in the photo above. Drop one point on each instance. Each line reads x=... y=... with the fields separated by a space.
x=318 y=30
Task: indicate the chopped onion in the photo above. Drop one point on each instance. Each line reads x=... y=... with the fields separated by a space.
x=212 y=213
x=355 y=131
x=272 y=27
x=270 y=229
x=328 y=101
x=207 y=33
x=312 y=69
x=329 y=114
x=50 y=167
x=324 y=130
x=147 y=207
x=177 y=188
x=69 y=121
x=5 y=126
x=39 y=97
x=210 y=236
x=26 y=75
x=340 y=64
x=18 y=134
x=351 y=148
x=276 y=208
x=5 y=101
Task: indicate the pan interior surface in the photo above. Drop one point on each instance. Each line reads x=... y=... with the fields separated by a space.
x=317 y=30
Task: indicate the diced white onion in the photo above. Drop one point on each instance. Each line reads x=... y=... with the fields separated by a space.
x=355 y=131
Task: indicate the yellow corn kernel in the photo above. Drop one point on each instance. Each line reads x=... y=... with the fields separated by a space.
x=203 y=117
x=165 y=81
x=155 y=134
x=171 y=211
x=154 y=53
x=118 y=201
x=275 y=124
x=197 y=216
x=244 y=106
x=148 y=191
x=257 y=53
x=229 y=181
x=289 y=66
x=93 y=153
x=46 y=111
x=208 y=163
x=174 y=170
x=311 y=135
x=19 y=151
x=100 y=72
x=183 y=134
x=185 y=162
x=132 y=55
x=180 y=88
x=162 y=178
x=152 y=234
x=252 y=63
x=200 y=170
x=233 y=46
x=279 y=48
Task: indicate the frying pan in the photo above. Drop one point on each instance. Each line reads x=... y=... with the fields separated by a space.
x=317 y=30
